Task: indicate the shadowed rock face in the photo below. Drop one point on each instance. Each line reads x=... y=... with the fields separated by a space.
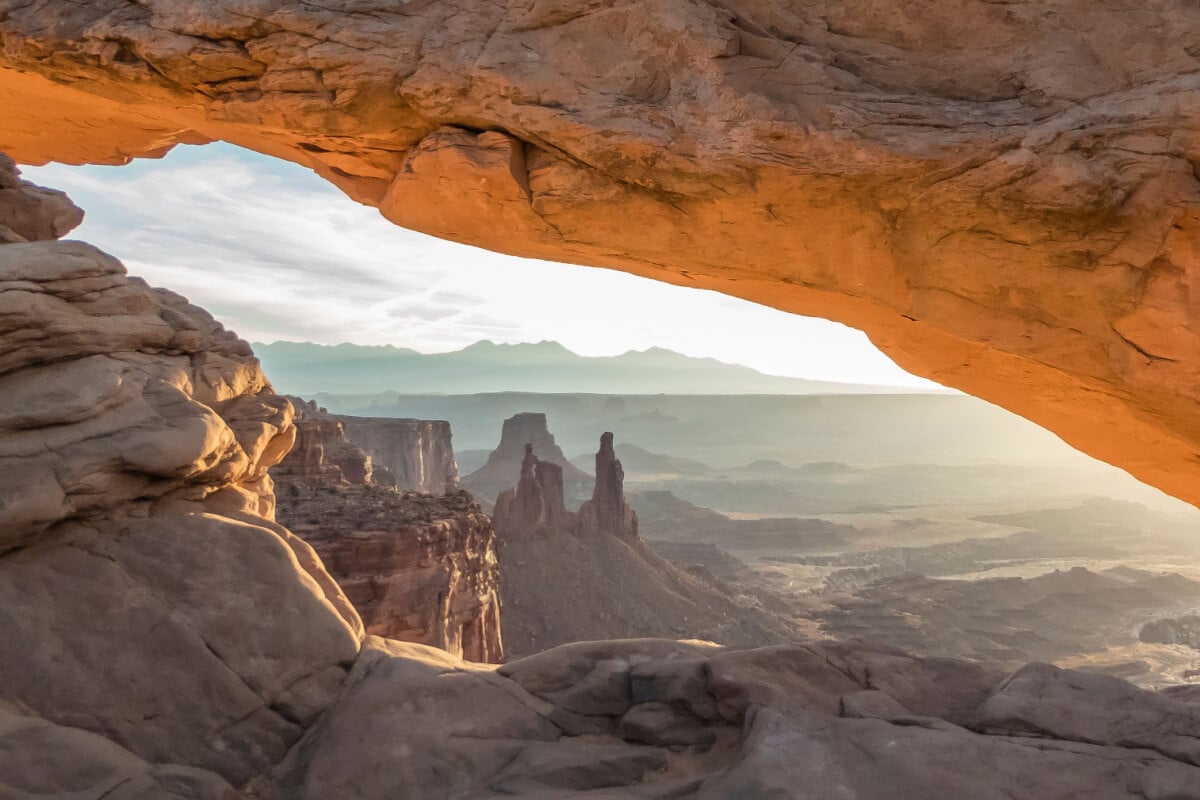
x=535 y=505
x=32 y=213
x=1183 y=630
x=322 y=455
x=417 y=568
x=1002 y=196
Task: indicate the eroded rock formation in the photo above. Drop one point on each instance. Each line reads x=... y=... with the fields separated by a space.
x=32 y=213
x=1002 y=196
x=418 y=453
x=535 y=505
x=323 y=455
x=163 y=637
x=617 y=586
x=608 y=510
x=1184 y=630
x=419 y=568
x=508 y=462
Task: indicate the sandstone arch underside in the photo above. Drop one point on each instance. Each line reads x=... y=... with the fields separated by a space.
x=1004 y=196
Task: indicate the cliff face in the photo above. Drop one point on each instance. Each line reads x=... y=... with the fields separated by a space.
x=322 y=453
x=418 y=453
x=417 y=568
x=1003 y=197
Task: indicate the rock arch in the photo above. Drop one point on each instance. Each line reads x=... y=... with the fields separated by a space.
x=1003 y=197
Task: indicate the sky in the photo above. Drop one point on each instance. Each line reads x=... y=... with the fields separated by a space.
x=275 y=253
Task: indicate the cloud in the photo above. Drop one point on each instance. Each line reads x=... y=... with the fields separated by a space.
x=276 y=253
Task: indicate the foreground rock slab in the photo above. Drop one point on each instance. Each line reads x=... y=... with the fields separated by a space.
x=662 y=719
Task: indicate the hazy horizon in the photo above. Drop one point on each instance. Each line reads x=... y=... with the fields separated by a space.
x=276 y=253
x=305 y=368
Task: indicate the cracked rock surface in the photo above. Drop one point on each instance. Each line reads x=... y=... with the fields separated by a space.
x=1002 y=195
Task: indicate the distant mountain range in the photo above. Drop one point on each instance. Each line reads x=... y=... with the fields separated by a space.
x=546 y=367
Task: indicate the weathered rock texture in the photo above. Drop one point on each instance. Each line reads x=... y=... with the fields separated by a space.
x=608 y=510
x=535 y=505
x=163 y=637
x=323 y=455
x=418 y=568
x=814 y=721
x=1003 y=196
x=32 y=213
x=419 y=453
x=508 y=462
x=617 y=586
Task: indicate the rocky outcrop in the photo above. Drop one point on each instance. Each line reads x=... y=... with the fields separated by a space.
x=619 y=587
x=608 y=510
x=323 y=455
x=690 y=721
x=163 y=637
x=535 y=505
x=1002 y=197
x=1184 y=630
x=418 y=453
x=32 y=213
x=507 y=463
x=418 y=568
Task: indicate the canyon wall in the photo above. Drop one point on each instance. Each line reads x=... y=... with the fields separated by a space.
x=416 y=568
x=419 y=453
x=1002 y=196
x=323 y=455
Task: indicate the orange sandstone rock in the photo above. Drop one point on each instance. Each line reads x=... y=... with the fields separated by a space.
x=1002 y=196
